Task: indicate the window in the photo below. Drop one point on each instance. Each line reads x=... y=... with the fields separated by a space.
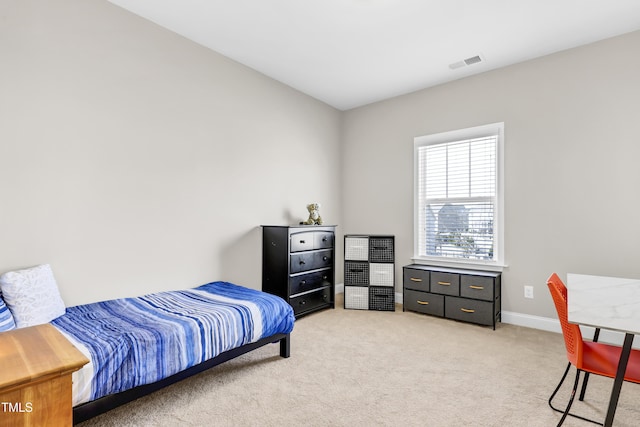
x=458 y=196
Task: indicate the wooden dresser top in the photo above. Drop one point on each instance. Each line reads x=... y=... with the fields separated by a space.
x=34 y=354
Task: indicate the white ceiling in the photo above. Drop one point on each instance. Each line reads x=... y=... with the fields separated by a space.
x=349 y=53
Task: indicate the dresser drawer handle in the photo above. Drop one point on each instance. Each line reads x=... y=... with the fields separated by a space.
x=324 y=258
x=444 y=283
x=415 y=279
x=302 y=262
x=476 y=287
x=467 y=310
x=302 y=242
x=422 y=302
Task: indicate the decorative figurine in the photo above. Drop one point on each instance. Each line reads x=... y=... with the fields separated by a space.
x=314 y=215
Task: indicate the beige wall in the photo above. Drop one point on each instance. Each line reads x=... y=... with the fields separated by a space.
x=571 y=152
x=134 y=160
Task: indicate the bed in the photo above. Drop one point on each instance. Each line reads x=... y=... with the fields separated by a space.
x=139 y=345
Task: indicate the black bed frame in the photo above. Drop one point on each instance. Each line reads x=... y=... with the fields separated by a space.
x=91 y=409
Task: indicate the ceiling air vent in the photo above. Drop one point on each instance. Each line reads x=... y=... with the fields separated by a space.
x=465 y=62
x=472 y=60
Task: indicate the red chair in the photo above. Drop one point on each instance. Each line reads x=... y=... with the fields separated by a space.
x=587 y=356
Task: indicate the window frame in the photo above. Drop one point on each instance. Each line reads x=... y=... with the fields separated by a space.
x=489 y=130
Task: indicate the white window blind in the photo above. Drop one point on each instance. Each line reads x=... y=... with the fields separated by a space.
x=457 y=198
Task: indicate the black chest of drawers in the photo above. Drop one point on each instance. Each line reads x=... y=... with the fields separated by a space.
x=298 y=265
x=467 y=295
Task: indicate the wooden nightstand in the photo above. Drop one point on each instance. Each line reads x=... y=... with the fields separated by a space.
x=35 y=378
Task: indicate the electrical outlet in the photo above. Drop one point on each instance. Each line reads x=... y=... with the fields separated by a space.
x=528 y=292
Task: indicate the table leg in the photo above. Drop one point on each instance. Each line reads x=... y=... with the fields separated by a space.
x=617 y=383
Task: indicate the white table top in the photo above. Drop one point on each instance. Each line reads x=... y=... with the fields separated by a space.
x=604 y=302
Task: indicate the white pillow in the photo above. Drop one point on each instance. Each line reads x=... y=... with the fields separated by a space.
x=32 y=295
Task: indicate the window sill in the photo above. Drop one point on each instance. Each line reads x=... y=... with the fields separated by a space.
x=465 y=264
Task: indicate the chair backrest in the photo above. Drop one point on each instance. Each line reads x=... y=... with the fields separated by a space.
x=570 y=331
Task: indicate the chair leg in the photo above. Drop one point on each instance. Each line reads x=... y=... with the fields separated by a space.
x=566 y=371
x=596 y=334
x=573 y=393
x=584 y=386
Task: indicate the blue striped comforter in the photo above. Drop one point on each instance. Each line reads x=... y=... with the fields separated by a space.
x=136 y=341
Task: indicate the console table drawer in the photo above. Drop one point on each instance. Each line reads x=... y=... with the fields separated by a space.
x=416 y=279
x=477 y=287
x=424 y=302
x=469 y=310
x=445 y=283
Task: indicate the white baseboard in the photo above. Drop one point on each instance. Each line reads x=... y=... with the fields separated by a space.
x=539 y=322
x=530 y=321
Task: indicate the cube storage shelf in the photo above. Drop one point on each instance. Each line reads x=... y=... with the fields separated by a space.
x=369 y=272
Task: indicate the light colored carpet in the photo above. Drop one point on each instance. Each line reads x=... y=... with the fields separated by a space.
x=367 y=368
